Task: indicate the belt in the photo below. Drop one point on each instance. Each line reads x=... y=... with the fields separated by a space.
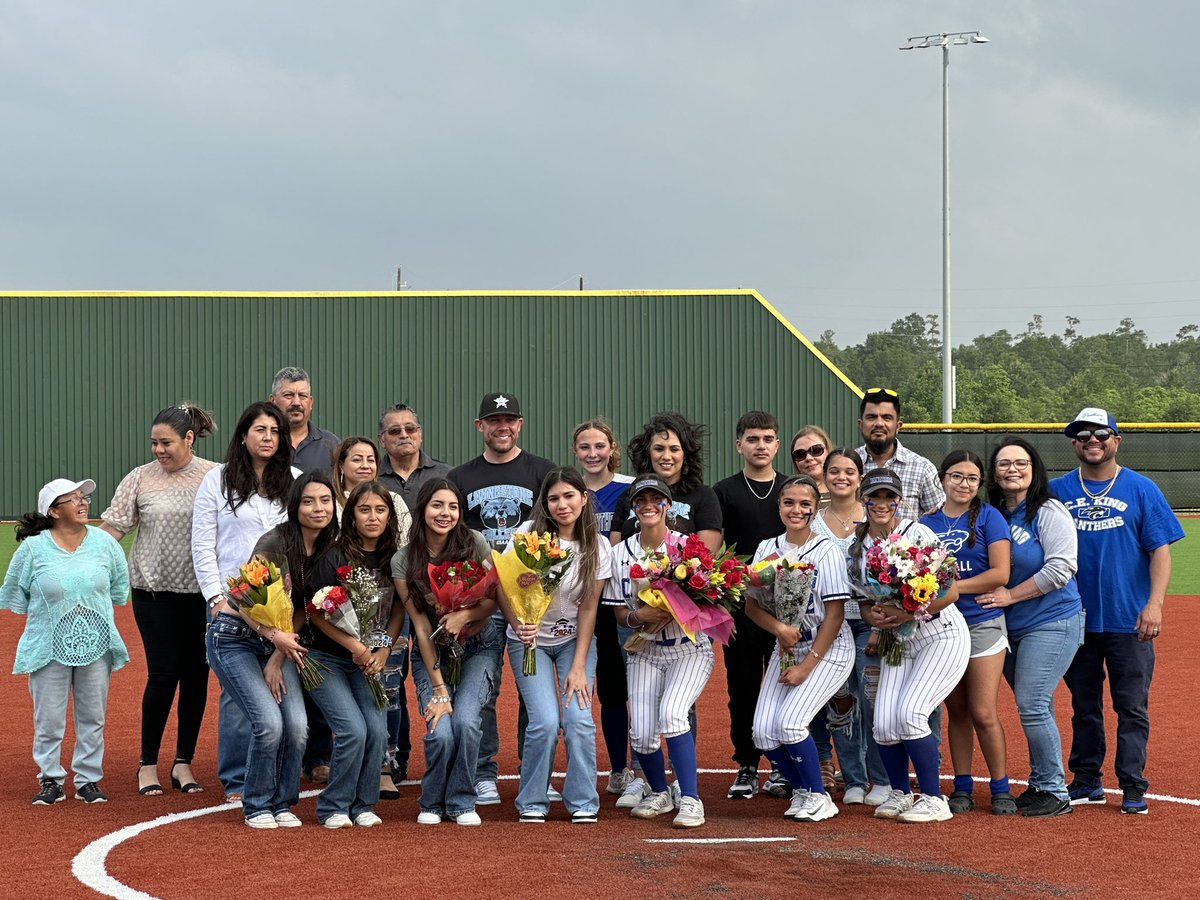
x=671 y=642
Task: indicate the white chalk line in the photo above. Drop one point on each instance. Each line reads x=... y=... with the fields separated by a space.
x=89 y=867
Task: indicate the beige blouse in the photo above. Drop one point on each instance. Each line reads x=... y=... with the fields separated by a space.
x=158 y=504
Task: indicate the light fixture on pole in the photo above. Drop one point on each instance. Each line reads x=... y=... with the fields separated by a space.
x=944 y=39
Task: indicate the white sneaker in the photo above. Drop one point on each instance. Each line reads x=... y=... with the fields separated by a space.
x=653 y=804
x=817 y=808
x=367 y=819
x=552 y=795
x=633 y=794
x=877 y=795
x=691 y=813
x=338 y=820
x=896 y=803
x=262 y=820
x=469 y=818
x=799 y=799
x=618 y=781
x=927 y=808
x=854 y=796
x=287 y=819
x=424 y=817
x=486 y=793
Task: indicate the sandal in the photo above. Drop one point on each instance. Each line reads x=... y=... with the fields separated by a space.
x=1003 y=805
x=154 y=789
x=961 y=802
x=186 y=787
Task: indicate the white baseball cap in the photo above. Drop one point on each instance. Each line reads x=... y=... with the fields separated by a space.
x=57 y=488
x=1091 y=416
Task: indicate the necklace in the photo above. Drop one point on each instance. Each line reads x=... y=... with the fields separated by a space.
x=774 y=475
x=950 y=526
x=1107 y=487
x=846 y=526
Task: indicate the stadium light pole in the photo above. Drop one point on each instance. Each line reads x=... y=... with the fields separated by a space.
x=944 y=39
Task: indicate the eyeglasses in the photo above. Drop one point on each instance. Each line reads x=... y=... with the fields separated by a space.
x=1003 y=465
x=814 y=451
x=1100 y=434
x=960 y=478
x=81 y=499
x=397 y=430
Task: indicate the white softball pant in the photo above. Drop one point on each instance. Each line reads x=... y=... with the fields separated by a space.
x=785 y=710
x=664 y=683
x=933 y=662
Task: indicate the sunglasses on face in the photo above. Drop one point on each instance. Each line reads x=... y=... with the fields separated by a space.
x=1100 y=434
x=814 y=451
x=397 y=430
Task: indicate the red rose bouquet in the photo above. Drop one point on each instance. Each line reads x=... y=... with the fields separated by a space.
x=456 y=586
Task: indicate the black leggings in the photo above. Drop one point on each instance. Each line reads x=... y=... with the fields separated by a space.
x=172 y=628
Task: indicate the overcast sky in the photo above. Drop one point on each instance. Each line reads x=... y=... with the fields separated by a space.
x=785 y=146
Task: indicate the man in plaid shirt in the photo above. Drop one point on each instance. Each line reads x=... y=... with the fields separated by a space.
x=879 y=421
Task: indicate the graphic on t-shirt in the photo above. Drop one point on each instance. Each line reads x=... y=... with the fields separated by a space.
x=499 y=509
x=954 y=540
x=562 y=628
x=1097 y=514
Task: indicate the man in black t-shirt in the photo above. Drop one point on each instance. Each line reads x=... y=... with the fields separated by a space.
x=750 y=510
x=499 y=488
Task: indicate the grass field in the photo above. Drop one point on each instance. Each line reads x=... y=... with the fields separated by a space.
x=1185 y=561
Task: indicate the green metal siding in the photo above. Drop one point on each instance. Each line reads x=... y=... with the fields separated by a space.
x=87 y=373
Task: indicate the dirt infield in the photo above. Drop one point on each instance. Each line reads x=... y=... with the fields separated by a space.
x=746 y=850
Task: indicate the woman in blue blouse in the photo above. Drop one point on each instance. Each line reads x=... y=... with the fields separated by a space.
x=65 y=578
x=1042 y=610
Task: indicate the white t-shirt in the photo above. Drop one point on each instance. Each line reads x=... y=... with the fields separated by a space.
x=830 y=582
x=561 y=620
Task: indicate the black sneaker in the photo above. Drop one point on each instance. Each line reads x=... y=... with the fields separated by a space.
x=50 y=793
x=90 y=793
x=776 y=785
x=1026 y=797
x=745 y=785
x=1133 y=803
x=1045 y=805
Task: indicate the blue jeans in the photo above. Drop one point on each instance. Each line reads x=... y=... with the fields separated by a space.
x=87 y=686
x=395 y=673
x=489 y=743
x=1037 y=662
x=544 y=702
x=359 y=737
x=1130 y=665
x=867 y=763
x=452 y=750
x=277 y=730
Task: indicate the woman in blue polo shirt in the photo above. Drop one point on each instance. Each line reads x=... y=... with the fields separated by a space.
x=977 y=535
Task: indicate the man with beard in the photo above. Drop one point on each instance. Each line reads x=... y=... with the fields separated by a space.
x=1125 y=528
x=879 y=421
x=312 y=447
x=405 y=466
x=499 y=488
x=750 y=513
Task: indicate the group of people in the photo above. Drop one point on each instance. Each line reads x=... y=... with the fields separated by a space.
x=1057 y=579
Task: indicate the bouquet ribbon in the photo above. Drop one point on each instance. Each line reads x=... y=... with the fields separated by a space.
x=712 y=620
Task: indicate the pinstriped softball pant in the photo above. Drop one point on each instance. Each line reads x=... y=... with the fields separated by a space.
x=934 y=661
x=664 y=683
x=784 y=711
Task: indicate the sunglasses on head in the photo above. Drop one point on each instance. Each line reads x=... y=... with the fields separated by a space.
x=880 y=392
x=814 y=451
x=1100 y=434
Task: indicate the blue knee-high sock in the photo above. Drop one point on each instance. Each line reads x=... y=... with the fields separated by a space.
x=895 y=760
x=924 y=755
x=808 y=761
x=655 y=770
x=682 y=750
x=999 y=785
x=614 y=723
x=785 y=764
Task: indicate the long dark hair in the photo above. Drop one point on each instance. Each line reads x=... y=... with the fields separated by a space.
x=587 y=531
x=293 y=537
x=691 y=439
x=953 y=458
x=237 y=479
x=349 y=541
x=33 y=523
x=186 y=417
x=1039 y=484
x=460 y=543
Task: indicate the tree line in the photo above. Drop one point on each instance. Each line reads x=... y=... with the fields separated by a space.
x=1030 y=377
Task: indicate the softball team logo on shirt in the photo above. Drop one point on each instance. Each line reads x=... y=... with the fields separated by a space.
x=1098 y=513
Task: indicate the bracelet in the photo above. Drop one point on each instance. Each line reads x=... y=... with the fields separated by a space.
x=438 y=699
x=814 y=652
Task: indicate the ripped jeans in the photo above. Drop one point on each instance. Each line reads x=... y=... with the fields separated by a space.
x=451 y=751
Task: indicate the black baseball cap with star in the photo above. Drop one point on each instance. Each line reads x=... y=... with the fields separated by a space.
x=499 y=404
